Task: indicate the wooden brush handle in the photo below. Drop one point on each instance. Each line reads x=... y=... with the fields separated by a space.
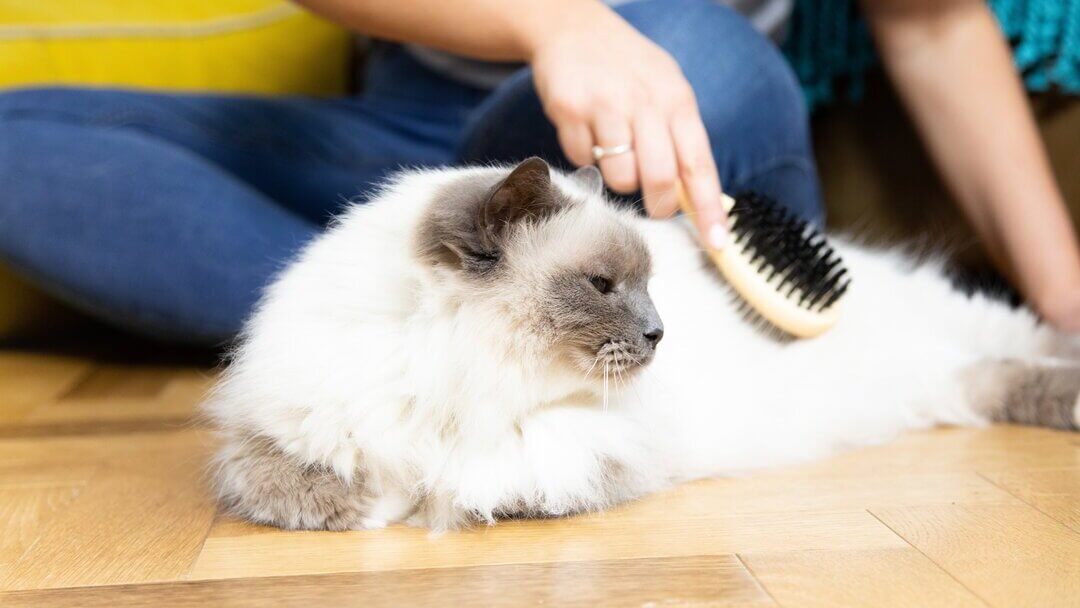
x=762 y=295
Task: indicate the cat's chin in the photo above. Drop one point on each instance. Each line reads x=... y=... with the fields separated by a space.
x=610 y=363
x=624 y=357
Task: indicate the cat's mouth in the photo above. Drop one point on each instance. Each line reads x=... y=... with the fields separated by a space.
x=620 y=357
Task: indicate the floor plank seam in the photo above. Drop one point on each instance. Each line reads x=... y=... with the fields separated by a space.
x=169 y=582
x=186 y=576
x=1031 y=504
x=106 y=502
x=96 y=428
x=983 y=600
x=757 y=580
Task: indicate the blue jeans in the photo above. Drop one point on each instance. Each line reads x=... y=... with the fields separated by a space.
x=168 y=214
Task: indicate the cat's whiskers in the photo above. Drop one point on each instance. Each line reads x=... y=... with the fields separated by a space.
x=620 y=371
x=615 y=368
x=606 y=365
x=595 y=360
x=633 y=385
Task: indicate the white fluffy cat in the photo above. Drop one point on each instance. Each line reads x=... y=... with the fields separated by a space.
x=479 y=343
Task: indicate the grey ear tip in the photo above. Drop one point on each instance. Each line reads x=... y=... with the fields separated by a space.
x=532 y=165
x=540 y=164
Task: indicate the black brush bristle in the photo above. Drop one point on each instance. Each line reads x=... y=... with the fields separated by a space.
x=754 y=319
x=780 y=243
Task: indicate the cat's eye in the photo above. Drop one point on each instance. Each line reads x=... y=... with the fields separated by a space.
x=487 y=257
x=602 y=284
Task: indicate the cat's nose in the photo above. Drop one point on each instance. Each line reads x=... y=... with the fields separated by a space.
x=654 y=335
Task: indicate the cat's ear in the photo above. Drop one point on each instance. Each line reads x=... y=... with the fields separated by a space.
x=590 y=179
x=470 y=227
x=525 y=194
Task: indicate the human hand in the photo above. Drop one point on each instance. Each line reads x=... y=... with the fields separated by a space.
x=604 y=84
x=1062 y=311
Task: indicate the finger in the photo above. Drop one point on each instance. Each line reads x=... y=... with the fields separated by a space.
x=576 y=140
x=620 y=170
x=657 y=169
x=697 y=169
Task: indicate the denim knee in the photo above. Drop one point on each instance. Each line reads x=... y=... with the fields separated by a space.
x=18 y=101
x=749 y=97
x=740 y=77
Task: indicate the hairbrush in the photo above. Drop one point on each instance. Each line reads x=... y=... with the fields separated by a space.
x=779 y=264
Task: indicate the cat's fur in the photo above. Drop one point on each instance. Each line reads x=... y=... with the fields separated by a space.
x=447 y=354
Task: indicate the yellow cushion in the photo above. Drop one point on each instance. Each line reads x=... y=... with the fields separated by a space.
x=236 y=46
x=248 y=46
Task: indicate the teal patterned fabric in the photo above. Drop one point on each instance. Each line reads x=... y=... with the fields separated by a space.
x=830 y=46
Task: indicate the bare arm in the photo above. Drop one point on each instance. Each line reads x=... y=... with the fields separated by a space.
x=954 y=71
x=601 y=83
x=498 y=30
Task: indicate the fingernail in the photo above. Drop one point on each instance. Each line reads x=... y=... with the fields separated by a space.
x=718 y=236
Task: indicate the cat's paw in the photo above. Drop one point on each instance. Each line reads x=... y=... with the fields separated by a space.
x=1061 y=345
x=258 y=481
x=1031 y=393
x=1076 y=412
x=595 y=484
x=1049 y=396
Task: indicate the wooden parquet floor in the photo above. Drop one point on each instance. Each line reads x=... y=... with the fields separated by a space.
x=103 y=503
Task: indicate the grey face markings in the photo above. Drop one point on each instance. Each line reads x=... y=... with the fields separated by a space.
x=593 y=306
x=600 y=306
x=473 y=220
